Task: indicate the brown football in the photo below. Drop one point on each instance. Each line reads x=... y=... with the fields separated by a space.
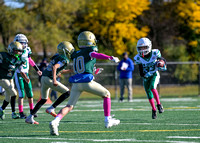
x=160 y=63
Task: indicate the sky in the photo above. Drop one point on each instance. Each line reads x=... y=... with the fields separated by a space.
x=13 y=4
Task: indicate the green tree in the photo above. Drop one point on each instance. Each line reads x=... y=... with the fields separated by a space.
x=11 y=21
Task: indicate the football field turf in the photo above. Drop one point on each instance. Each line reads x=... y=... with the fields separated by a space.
x=180 y=123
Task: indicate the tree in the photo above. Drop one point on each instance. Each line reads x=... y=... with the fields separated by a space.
x=114 y=22
x=10 y=22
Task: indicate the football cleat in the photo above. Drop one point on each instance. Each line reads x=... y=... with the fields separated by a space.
x=51 y=111
x=2 y=114
x=111 y=122
x=160 y=108
x=15 y=116
x=53 y=125
x=35 y=115
x=154 y=115
x=22 y=115
x=30 y=120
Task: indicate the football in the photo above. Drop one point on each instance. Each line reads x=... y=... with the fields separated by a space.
x=160 y=63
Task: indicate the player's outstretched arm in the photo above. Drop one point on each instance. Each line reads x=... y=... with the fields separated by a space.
x=32 y=63
x=104 y=57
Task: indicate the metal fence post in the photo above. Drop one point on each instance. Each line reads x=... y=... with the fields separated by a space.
x=116 y=79
x=199 y=77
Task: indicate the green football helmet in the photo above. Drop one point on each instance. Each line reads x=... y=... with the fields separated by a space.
x=65 y=48
x=15 y=46
x=86 y=39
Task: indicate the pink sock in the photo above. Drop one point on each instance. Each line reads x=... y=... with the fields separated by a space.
x=31 y=106
x=151 y=101
x=20 y=108
x=156 y=95
x=106 y=106
x=59 y=116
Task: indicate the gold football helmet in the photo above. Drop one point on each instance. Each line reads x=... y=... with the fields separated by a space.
x=86 y=39
x=65 y=48
x=15 y=46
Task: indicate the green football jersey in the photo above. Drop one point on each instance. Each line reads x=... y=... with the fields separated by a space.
x=82 y=62
x=8 y=65
x=148 y=64
x=56 y=59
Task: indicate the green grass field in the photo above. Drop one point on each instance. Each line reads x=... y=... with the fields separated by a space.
x=180 y=123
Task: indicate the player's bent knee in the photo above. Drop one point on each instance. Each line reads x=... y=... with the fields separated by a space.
x=70 y=107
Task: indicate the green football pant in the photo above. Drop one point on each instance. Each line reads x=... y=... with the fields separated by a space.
x=150 y=83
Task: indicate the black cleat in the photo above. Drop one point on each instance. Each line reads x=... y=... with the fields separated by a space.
x=121 y=99
x=22 y=115
x=154 y=115
x=160 y=108
x=35 y=115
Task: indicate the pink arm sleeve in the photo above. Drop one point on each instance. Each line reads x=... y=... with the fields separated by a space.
x=32 y=63
x=100 y=56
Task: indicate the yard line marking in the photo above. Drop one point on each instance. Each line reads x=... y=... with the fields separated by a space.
x=184 y=130
x=182 y=137
x=95 y=140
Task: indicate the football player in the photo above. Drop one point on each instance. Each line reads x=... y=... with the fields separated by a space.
x=57 y=65
x=83 y=65
x=147 y=60
x=9 y=62
x=22 y=86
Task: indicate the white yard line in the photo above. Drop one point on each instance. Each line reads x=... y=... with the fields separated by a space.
x=94 y=140
x=182 y=137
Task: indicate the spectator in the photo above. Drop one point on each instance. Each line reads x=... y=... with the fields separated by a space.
x=125 y=68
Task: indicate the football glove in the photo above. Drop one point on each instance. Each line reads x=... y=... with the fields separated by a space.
x=98 y=70
x=114 y=59
x=164 y=68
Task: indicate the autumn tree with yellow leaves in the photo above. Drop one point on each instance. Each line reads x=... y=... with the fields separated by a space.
x=114 y=22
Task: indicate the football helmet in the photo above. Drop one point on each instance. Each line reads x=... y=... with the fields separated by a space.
x=15 y=46
x=144 y=46
x=86 y=39
x=65 y=48
x=22 y=39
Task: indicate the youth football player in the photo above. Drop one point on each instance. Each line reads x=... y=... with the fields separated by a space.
x=22 y=86
x=147 y=60
x=9 y=62
x=83 y=64
x=57 y=65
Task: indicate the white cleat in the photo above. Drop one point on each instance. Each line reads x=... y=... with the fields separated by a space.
x=51 y=111
x=111 y=122
x=54 y=128
x=30 y=120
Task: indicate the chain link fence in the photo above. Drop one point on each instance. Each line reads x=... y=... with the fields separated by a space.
x=181 y=78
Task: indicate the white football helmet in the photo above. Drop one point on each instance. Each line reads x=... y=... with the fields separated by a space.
x=86 y=39
x=15 y=46
x=22 y=39
x=144 y=46
x=65 y=48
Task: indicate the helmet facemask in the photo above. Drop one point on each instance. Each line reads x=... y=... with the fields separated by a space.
x=144 y=50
